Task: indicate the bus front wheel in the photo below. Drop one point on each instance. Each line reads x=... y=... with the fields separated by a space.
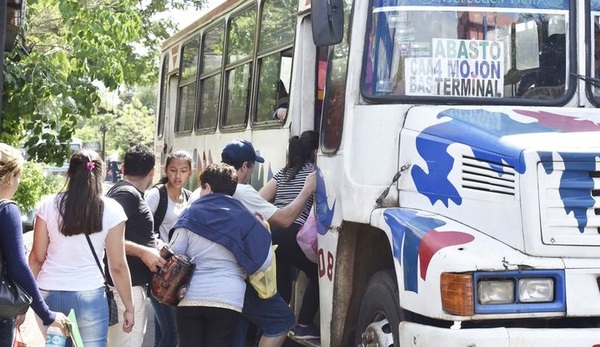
x=379 y=313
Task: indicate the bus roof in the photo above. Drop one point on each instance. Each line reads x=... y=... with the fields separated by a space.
x=213 y=14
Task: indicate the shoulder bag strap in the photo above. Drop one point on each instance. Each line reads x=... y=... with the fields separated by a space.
x=3 y=203
x=96 y=258
x=161 y=209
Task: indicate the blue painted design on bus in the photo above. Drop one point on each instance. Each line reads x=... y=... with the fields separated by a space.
x=483 y=131
x=416 y=240
x=323 y=212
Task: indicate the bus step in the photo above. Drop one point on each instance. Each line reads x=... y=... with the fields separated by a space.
x=310 y=342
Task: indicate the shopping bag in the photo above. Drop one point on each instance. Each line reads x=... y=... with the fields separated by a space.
x=307 y=237
x=265 y=282
x=18 y=339
x=74 y=330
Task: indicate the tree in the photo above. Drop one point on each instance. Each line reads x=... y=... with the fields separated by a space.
x=35 y=184
x=126 y=124
x=51 y=79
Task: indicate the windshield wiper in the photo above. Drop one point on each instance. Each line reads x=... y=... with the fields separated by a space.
x=595 y=82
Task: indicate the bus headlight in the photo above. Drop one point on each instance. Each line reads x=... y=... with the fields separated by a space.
x=494 y=292
x=519 y=291
x=536 y=290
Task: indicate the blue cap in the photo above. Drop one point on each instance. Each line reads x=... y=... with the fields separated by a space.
x=239 y=151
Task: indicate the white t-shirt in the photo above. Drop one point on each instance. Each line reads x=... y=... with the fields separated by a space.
x=174 y=209
x=69 y=263
x=248 y=196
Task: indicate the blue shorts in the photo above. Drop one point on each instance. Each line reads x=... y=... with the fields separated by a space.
x=272 y=316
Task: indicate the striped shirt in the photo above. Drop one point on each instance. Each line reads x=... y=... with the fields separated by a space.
x=287 y=191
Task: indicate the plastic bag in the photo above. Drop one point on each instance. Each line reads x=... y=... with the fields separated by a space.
x=307 y=237
x=265 y=282
x=18 y=339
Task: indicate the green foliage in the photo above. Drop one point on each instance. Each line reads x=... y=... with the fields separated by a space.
x=51 y=80
x=127 y=124
x=34 y=185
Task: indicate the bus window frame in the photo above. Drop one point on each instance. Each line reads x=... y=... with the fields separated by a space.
x=188 y=81
x=205 y=75
x=162 y=97
x=589 y=52
x=228 y=67
x=258 y=61
x=324 y=135
x=272 y=123
x=570 y=80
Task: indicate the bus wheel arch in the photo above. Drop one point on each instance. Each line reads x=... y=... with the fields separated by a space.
x=362 y=251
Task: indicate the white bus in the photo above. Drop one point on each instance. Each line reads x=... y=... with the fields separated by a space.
x=459 y=165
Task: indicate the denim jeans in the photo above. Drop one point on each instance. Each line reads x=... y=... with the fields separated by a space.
x=165 y=328
x=91 y=310
x=7 y=330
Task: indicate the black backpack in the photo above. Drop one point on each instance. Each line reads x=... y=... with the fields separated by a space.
x=163 y=202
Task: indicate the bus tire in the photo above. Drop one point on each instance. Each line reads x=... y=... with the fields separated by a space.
x=379 y=313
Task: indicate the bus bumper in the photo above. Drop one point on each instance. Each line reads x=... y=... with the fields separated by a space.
x=412 y=334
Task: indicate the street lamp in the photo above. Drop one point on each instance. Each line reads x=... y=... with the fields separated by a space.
x=103 y=130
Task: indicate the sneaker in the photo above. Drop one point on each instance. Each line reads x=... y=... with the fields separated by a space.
x=310 y=331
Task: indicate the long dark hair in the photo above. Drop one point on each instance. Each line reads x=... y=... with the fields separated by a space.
x=301 y=151
x=183 y=155
x=81 y=206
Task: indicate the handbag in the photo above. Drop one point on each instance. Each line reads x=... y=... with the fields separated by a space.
x=14 y=300
x=171 y=282
x=113 y=312
x=307 y=237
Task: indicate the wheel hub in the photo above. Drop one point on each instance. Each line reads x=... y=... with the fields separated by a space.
x=378 y=334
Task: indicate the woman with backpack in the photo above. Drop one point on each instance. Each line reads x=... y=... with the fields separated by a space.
x=167 y=200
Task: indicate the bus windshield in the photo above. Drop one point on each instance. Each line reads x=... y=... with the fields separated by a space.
x=477 y=49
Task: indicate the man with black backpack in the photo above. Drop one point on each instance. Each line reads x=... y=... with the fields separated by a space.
x=143 y=256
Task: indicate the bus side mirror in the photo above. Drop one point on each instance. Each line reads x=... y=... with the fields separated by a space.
x=327 y=22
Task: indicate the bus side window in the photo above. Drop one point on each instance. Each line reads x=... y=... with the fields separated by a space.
x=273 y=86
x=210 y=78
x=321 y=75
x=186 y=96
x=240 y=48
x=277 y=31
